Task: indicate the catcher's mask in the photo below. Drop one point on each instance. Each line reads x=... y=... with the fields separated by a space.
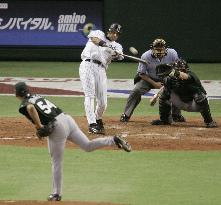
x=163 y=70
x=159 y=48
x=21 y=89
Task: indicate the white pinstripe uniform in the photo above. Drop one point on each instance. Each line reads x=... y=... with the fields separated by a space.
x=93 y=74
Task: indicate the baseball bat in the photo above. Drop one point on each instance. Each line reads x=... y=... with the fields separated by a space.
x=135 y=58
x=154 y=99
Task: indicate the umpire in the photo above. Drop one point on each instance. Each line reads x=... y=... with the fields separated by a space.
x=146 y=78
x=183 y=89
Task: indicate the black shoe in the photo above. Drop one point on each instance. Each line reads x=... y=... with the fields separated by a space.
x=122 y=144
x=211 y=124
x=178 y=118
x=160 y=122
x=100 y=125
x=54 y=197
x=124 y=118
x=94 y=128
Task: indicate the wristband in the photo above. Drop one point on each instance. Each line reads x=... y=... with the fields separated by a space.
x=102 y=43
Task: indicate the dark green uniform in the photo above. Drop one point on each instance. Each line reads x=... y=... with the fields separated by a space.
x=188 y=95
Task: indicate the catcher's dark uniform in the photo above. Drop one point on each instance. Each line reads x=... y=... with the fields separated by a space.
x=188 y=95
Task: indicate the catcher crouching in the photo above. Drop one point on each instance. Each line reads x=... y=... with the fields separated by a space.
x=183 y=89
x=58 y=127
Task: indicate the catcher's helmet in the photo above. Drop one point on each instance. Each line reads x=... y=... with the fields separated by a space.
x=115 y=27
x=21 y=89
x=159 y=48
x=181 y=65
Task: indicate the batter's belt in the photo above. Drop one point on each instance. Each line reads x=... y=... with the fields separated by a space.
x=94 y=61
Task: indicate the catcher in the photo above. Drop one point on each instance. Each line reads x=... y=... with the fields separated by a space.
x=57 y=126
x=183 y=89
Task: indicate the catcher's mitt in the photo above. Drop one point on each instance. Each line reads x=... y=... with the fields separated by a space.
x=45 y=131
x=164 y=70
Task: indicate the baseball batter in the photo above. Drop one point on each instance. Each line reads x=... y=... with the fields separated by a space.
x=146 y=78
x=182 y=88
x=50 y=121
x=98 y=53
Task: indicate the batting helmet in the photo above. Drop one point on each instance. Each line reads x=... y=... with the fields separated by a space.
x=21 y=89
x=115 y=27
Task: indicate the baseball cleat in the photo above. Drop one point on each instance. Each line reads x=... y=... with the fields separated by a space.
x=211 y=124
x=122 y=144
x=100 y=125
x=178 y=118
x=54 y=197
x=160 y=122
x=95 y=129
x=124 y=118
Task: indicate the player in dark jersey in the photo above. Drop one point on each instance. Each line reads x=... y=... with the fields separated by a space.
x=41 y=112
x=183 y=89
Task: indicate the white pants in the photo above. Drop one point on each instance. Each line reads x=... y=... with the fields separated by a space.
x=66 y=128
x=94 y=83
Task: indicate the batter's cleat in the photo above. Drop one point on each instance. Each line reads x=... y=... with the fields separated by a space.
x=211 y=124
x=178 y=118
x=122 y=144
x=54 y=197
x=160 y=122
x=94 y=128
x=100 y=124
x=124 y=118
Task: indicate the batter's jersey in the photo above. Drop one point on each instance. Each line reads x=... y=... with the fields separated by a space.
x=99 y=53
x=47 y=111
x=150 y=68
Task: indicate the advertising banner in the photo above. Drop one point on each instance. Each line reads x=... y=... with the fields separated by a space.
x=48 y=23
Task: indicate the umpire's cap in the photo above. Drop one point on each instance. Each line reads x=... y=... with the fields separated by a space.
x=21 y=89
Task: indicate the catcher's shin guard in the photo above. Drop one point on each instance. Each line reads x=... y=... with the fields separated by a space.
x=165 y=108
x=202 y=101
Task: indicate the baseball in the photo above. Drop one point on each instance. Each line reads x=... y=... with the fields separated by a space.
x=133 y=50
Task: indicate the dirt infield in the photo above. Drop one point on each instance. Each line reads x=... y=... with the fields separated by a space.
x=191 y=135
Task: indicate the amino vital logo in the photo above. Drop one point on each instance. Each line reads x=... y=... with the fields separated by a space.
x=3 y=5
x=69 y=23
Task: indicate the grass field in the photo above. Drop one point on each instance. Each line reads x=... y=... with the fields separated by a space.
x=154 y=178
x=136 y=178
